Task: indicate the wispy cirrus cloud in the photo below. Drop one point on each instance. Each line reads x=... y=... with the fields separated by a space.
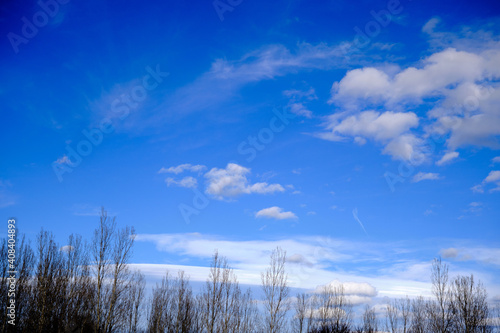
x=231 y=75
x=182 y=167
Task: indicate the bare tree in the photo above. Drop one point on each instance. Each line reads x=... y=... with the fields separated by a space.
x=440 y=311
x=110 y=252
x=469 y=305
x=79 y=283
x=332 y=311
x=404 y=306
x=247 y=318
x=303 y=313
x=419 y=321
x=101 y=256
x=173 y=308
x=49 y=296
x=160 y=315
x=392 y=317
x=370 y=321
x=276 y=290
x=134 y=298
x=121 y=252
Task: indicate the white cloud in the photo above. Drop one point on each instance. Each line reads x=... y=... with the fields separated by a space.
x=477 y=188
x=431 y=25
x=407 y=147
x=390 y=268
x=350 y=288
x=436 y=72
x=66 y=248
x=298 y=259
x=230 y=75
x=183 y=167
x=372 y=124
x=496 y=159
x=297 y=99
x=232 y=181
x=458 y=85
x=425 y=176
x=63 y=160
x=296 y=94
x=188 y=182
x=479 y=254
x=493 y=177
x=300 y=110
x=449 y=253
x=389 y=128
x=275 y=213
x=448 y=157
x=364 y=83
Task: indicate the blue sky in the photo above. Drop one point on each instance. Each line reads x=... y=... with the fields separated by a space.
x=363 y=139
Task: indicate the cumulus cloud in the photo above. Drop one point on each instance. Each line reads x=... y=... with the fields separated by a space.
x=369 y=84
x=448 y=157
x=457 y=85
x=188 y=182
x=275 y=213
x=436 y=72
x=425 y=176
x=183 y=167
x=232 y=182
x=389 y=128
x=373 y=124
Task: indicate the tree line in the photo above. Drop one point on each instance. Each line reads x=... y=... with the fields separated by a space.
x=89 y=287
